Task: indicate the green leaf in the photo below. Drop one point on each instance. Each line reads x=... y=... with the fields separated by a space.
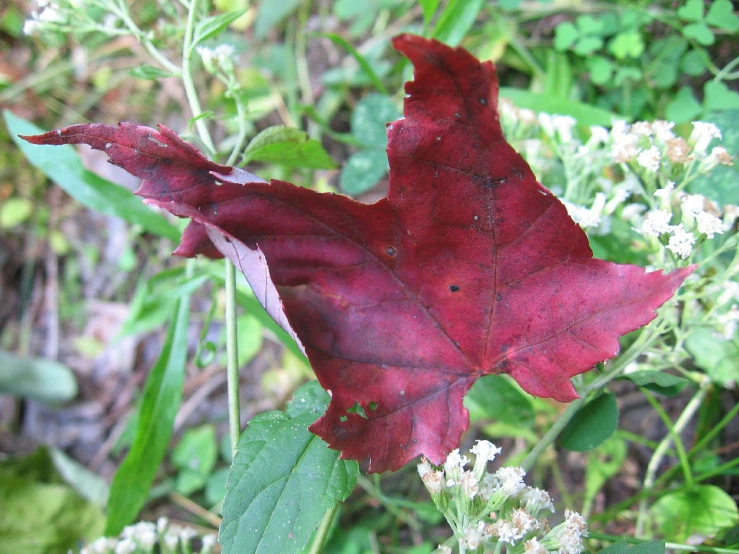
x=149 y=72
x=628 y=44
x=14 y=211
x=494 y=397
x=683 y=107
x=62 y=165
x=658 y=382
x=700 y=32
x=603 y=463
x=215 y=487
x=700 y=510
x=585 y=114
x=600 y=69
x=691 y=11
x=89 y=485
x=161 y=399
x=592 y=425
x=721 y=14
x=289 y=147
x=717 y=96
x=363 y=171
x=429 y=8
x=370 y=119
x=36 y=378
x=588 y=45
x=693 y=63
x=622 y=547
x=359 y=58
x=211 y=27
x=456 y=20
x=565 y=35
x=716 y=355
x=283 y=480
x=270 y=13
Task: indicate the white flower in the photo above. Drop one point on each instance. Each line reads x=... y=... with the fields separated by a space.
x=587 y=217
x=485 y=450
x=532 y=546
x=664 y=193
x=642 y=128
x=702 y=135
x=681 y=242
x=424 y=468
x=564 y=124
x=510 y=480
x=526 y=116
x=187 y=534
x=473 y=535
x=576 y=522
x=30 y=27
x=434 y=482
x=663 y=130
x=545 y=120
x=692 y=204
x=443 y=550
x=656 y=223
x=162 y=523
x=171 y=540
x=625 y=143
x=534 y=500
x=209 y=541
x=709 y=224
x=126 y=546
x=470 y=484
x=632 y=212
x=649 y=159
x=103 y=545
x=718 y=155
x=598 y=135
x=454 y=465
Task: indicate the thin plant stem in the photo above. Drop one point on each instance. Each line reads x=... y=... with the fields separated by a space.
x=321 y=535
x=669 y=545
x=661 y=450
x=715 y=430
x=232 y=357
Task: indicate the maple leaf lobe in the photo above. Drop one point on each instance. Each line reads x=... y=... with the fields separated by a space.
x=469 y=267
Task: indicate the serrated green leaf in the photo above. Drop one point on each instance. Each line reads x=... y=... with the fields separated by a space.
x=701 y=510
x=496 y=398
x=565 y=35
x=363 y=171
x=211 y=27
x=700 y=32
x=278 y=461
x=161 y=399
x=289 y=147
x=683 y=107
x=63 y=165
x=36 y=378
x=658 y=382
x=592 y=425
x=370 y=119
x=721 y=14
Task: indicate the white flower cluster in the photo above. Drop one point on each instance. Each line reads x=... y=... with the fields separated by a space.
x=144 y=536
x=680 y=238
x=219 y=58
x=497 y=508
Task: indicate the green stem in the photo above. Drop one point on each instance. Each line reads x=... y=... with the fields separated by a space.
x=234 y=412
x=661 y=450
x=322 y=532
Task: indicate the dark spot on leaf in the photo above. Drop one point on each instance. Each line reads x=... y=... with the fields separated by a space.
x=227 y=239
x=453 y=288
x=482 y=101
x=390 y=251
x=498 y=297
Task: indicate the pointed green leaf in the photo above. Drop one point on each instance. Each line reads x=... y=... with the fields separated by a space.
x=592 y=425
x=211 y=27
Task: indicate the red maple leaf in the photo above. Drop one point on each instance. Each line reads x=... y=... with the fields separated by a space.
x=469 y=267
